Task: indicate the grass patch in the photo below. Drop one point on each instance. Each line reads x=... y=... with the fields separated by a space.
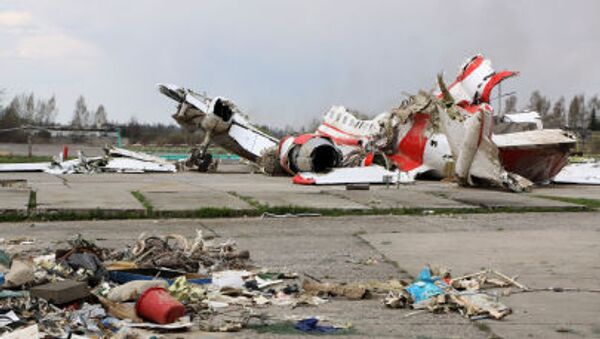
x=257 y=210
x=32 y=202
x=208 y=212
x=15 y=159
x=251 y=201
x=144 y=201
x=590 y=203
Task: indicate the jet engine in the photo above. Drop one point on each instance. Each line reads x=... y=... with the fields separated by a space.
x=308 y=153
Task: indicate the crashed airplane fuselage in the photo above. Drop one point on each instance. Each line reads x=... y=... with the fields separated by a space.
x=449 y=133
x=418 y=140
x=220 y=122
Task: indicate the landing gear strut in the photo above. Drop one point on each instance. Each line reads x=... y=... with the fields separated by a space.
x=200 y=157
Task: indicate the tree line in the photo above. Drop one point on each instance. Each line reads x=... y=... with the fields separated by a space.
x=28 y=110
x=579 y=115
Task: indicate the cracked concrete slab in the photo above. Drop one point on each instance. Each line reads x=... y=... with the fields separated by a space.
x=495 y=199
x=87 y=197
x=189 y=201
x=570 y=191
x=379 y=197
x=326 y=248
x=553 y=257
x=302 y=199
x=13 y=199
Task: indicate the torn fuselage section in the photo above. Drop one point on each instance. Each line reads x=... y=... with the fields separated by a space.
x=444 y=134
x=219 y=121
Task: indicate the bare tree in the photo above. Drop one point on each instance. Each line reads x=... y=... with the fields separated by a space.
x=100 y=117
x=29 y=109
x=81 y=114
x=594 y=121
x=51 y=111
x=539 y=103
x=576 y=112
x=510 y=104
x=556 y=118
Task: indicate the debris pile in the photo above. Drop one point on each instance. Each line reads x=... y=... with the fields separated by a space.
x=117 y=160
x=164 y=283
x=436 y=291
x=587 y=171
x=156 y=283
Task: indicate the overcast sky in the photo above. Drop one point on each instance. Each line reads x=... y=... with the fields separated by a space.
x=286 y=62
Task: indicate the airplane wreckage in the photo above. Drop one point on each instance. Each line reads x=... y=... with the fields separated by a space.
x=446 y=133
x=451 y=132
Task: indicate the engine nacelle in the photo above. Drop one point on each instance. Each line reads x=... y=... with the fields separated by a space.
x=308 y=153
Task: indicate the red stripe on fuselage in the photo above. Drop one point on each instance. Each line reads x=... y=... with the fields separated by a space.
x=412 y=147
x=343 y=132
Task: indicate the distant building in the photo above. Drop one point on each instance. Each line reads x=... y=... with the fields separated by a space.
x=69 y=132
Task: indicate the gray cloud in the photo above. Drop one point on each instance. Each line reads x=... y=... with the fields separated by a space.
x=288 y=61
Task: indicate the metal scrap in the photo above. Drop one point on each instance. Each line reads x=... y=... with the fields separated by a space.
x=434 y=290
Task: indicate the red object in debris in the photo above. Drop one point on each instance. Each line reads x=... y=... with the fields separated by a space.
x=157 y=305
x=65 y=152
x=300 y=180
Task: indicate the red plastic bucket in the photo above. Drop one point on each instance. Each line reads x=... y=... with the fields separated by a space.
x=157 y=305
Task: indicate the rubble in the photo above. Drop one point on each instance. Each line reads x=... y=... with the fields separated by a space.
x=435 y=290
x=374 y=174
x=115 y=160
x=170 y=282
x=586 y=172
x=132 y=290
x=21 y=273
x=61 y=292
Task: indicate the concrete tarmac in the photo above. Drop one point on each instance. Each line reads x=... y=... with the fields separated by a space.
x=543 y=249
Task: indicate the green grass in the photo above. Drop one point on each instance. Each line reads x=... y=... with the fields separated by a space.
x=257 y=209
x=32 y=203
x=589 y=203
x=144 y=201
x=15 y=159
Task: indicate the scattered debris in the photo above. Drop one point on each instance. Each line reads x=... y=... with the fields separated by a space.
x=158 y=283
x=115 y=160
x=158 y=306
x=132 y=290
x=436 y=291
x=587 y=173
x=61 y=292
x=174 y=283
x=21 y=273
x=354 y=175
x=290 y=215
x=349 y=291
x=311 y=325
